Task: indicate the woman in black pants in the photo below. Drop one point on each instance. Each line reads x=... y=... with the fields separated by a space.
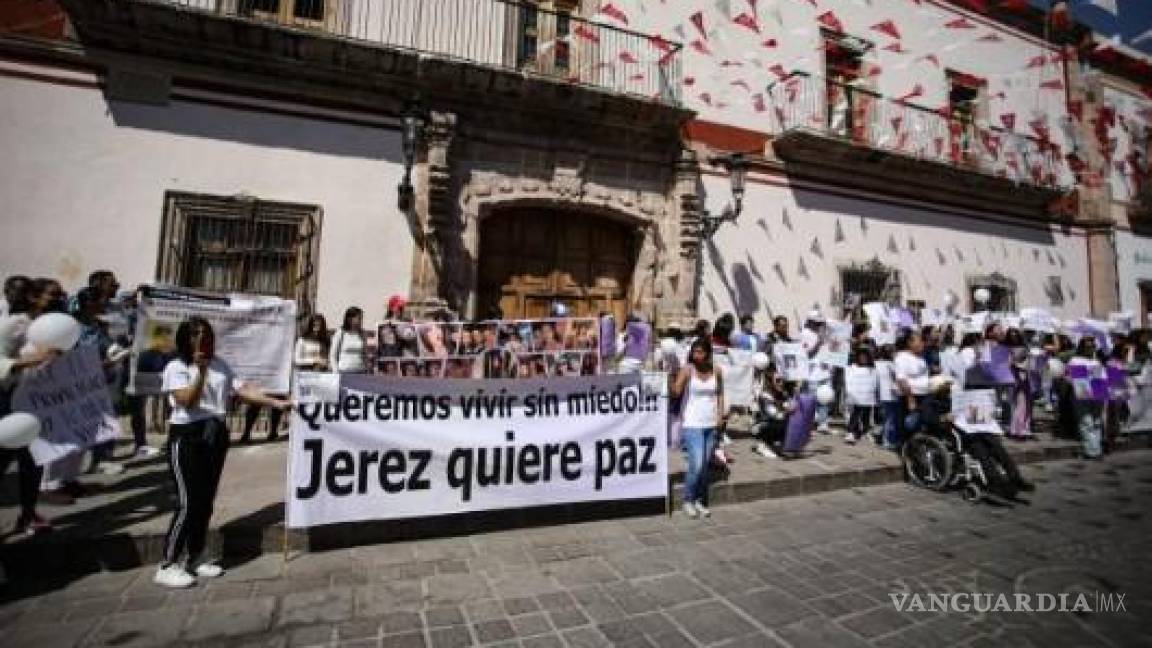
x=198 y=386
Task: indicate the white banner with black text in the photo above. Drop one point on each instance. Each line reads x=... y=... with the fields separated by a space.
x=386 y=448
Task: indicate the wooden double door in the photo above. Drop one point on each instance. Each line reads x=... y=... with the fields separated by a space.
x=533 y=258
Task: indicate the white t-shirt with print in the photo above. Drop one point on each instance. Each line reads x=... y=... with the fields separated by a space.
x=218 y=387
x=885 y=382
x=913 y=369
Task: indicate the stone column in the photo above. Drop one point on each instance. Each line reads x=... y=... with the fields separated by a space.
x=441 y=271
x=681 y=271
x=1103 y=283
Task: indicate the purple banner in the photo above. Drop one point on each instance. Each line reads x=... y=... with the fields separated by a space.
x=607 y=337
x=1117 y=383
x=997 y=365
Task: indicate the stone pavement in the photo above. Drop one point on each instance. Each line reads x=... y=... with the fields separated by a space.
x=123 y=523
x=812 y=571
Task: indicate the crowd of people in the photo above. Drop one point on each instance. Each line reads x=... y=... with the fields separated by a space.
x=888 y=392
x=885 y=392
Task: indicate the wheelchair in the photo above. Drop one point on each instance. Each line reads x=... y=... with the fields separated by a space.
x=942 y=462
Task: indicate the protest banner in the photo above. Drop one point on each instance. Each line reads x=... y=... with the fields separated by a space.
x=70 y=397
x=254 y=335
x=392 y=448
x=791 y=361
x=1121 y=322
x=837 y=344
x=974 y=411
x=1140 y=403
x=1038 y=319
x=1117 y=383
x=1089 y=383
x=860 y=384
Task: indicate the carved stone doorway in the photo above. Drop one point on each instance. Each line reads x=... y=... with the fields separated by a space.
x=533 y=257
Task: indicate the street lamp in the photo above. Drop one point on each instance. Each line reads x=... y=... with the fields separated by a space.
x=737 y=168
x=412 y=131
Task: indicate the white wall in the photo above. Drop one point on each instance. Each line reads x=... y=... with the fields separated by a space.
x=758 y=265
x=739 y=65
x=82 y=182
x=1133 y=264
x=1133 y=119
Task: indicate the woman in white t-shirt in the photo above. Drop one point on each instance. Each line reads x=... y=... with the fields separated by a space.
x=198 y=386
x=1089 y=412
x=911 y=372
x=349 y=349
x=701 y=387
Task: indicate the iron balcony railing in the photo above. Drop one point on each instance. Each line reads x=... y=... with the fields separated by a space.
x=503 y=34
x=804 y=102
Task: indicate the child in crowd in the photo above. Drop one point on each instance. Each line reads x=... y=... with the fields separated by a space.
x=888 y=397
x=862 y=385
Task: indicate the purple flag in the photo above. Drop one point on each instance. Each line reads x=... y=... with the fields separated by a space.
x=639 y=340
x=800 y=423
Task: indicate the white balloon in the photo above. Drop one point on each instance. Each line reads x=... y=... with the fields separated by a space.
x=760 y=360
x=1056 y=367
x=18 y=430
x=982 y=295
x=950 y=299
x=54 y=331
x=825 y=394
x=669 y=347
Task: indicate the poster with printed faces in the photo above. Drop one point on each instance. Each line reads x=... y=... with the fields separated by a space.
x=791 y=361
x=837 y=344
x=1089 y=382
x=1038 y=319
x=974 y=411
x=1121 y=323
x=934 y=317
x=880 y=327
x=861 y=384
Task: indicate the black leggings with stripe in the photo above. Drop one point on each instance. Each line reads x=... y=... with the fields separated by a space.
x=196 y=453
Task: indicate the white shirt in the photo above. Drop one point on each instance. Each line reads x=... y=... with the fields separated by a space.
x=347 y=352
x=861 y=385
x=701 y=401
x=885 y=381
x=13 y=334
x=309 y=353
x=218 y=386
x=911 y=368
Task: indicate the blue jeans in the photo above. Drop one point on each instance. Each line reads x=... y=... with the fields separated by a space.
x=698 y=444
x=892 y=422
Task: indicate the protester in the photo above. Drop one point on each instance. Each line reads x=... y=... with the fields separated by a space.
x=812 y=338
x=132 y=404
x=311 y=353
x=91 y=304
x=1089 y=412
x=701 y=385
x=27 y=301
x=349 y=348
x=911 y=374
x=13 y=287
x=199 y=387
x=888 y=396
x=722 y=332
x=746 y=338
x=396 y=306
x=773 y=406
x=862 y=371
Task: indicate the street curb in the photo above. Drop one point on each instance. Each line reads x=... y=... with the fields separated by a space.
x=240 y=542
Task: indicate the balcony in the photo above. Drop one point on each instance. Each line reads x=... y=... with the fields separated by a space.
x=500 y=35
x=826 y=128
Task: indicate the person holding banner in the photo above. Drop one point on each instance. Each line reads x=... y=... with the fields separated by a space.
x=199 y=387
x=1082 y=369
x=812 y=338
x=911 y=372
x=700 y=385
x=17 y=357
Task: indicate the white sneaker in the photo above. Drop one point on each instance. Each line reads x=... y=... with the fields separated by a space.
x=725 y=440
x=147 y=451
x=849 y=438
x=209 y=570
x=173 y=576
x=824 y=429
x=110 y=468
x=703 y=510
x=690 y=510
x=764 y=451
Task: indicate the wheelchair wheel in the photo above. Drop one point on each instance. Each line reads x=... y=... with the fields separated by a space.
x=928 y=462
x=972 y=493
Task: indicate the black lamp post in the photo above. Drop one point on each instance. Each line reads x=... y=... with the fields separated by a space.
x=737 y=168
x=413 y=130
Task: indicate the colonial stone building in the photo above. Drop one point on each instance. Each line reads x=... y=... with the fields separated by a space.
x=501 y=155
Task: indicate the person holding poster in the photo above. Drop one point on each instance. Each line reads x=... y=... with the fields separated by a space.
x=199 y=387
x=700 y=385
x=1089 y=408
x=911 y=372
x=888 y=395
x=27 y=302
x=812 y=339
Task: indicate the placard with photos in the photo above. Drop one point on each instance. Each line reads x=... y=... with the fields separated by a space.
x=492 y=349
